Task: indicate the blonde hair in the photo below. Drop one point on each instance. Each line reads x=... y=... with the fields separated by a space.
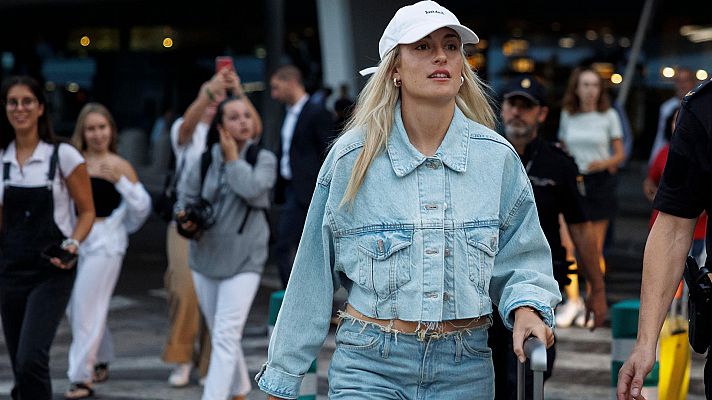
x=78 y=139
x=375 y=109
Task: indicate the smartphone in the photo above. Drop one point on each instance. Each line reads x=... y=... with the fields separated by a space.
x=223 y=62
x=55 y=251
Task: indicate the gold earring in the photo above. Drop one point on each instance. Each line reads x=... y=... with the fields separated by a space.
x=397 y=82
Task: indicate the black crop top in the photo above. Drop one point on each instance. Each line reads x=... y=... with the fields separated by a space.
x=106 y=198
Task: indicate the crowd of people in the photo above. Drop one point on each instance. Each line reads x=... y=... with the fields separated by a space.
x=453 y=242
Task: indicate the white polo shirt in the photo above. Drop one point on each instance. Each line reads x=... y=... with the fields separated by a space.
x=34 y=173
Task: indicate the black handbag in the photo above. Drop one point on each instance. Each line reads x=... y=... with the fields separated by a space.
x=164 y=201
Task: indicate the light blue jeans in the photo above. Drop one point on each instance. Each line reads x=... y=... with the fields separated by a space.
x=372 y=363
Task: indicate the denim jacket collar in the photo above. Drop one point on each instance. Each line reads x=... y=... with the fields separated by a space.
x=452 y=151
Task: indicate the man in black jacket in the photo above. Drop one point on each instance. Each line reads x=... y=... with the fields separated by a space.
x=553 y=175
x=685 y=191
x=306 y=133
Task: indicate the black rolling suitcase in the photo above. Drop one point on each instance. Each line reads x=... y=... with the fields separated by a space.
x=535 y=351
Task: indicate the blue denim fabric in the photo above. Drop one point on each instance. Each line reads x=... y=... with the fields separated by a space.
x=453 y=366
x=426 y=239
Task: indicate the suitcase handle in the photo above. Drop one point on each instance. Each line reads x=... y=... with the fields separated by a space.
x=535 y=351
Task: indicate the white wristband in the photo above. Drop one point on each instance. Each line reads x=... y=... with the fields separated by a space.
x=69 y=242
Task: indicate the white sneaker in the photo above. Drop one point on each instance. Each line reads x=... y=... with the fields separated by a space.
x=180 y=376
x=566 y=313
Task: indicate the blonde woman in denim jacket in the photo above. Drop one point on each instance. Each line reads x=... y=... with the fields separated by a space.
x=427 y=218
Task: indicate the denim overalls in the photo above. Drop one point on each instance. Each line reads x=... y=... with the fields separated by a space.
x=33 y=292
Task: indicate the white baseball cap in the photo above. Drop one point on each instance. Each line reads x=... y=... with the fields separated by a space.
x=414 y=22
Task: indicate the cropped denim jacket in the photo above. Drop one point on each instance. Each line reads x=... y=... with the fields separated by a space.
x=426 y=239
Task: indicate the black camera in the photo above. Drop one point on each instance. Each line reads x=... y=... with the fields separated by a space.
x=201 y=215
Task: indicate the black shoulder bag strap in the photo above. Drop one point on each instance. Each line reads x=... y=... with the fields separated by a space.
x=251 y=157
x=53 y=161
x=205 y=159
x=6 y=173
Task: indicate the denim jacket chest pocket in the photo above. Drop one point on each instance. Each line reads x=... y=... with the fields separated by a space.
x=482 y=247
x=384 y=260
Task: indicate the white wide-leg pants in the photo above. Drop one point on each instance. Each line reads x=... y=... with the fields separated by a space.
x=226 y=303
x=88 y=307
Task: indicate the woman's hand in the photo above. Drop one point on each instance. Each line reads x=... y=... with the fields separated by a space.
x=603 y=165
x=596 y=305
x=597 y=166
x=109 y=171
x=59 y=264
x=188 y=226
x=528 y=323
x=228 y=145
x=217 y=84
x=232 y=82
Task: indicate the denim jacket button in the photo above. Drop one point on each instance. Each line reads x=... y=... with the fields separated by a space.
x=446 y=296
x=447 y=252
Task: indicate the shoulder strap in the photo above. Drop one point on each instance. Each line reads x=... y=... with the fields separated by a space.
x=251 y=157
x=6 y=172
x=53 y=161
x=251 y=154
x=205 y=159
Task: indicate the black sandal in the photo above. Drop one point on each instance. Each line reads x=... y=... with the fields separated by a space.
x=101 y=373
x=79 y=390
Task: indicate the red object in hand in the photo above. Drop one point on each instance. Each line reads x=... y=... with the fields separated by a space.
x=223 y=62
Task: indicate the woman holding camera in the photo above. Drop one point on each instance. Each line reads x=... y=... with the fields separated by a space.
x=43 y=182
x=221 y=204
x=186 y=326
x=122 y=206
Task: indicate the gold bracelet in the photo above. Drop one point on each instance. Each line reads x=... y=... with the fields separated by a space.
x=530 y=309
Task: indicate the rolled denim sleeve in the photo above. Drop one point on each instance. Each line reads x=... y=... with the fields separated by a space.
x=303 y=320
x=522 y=274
